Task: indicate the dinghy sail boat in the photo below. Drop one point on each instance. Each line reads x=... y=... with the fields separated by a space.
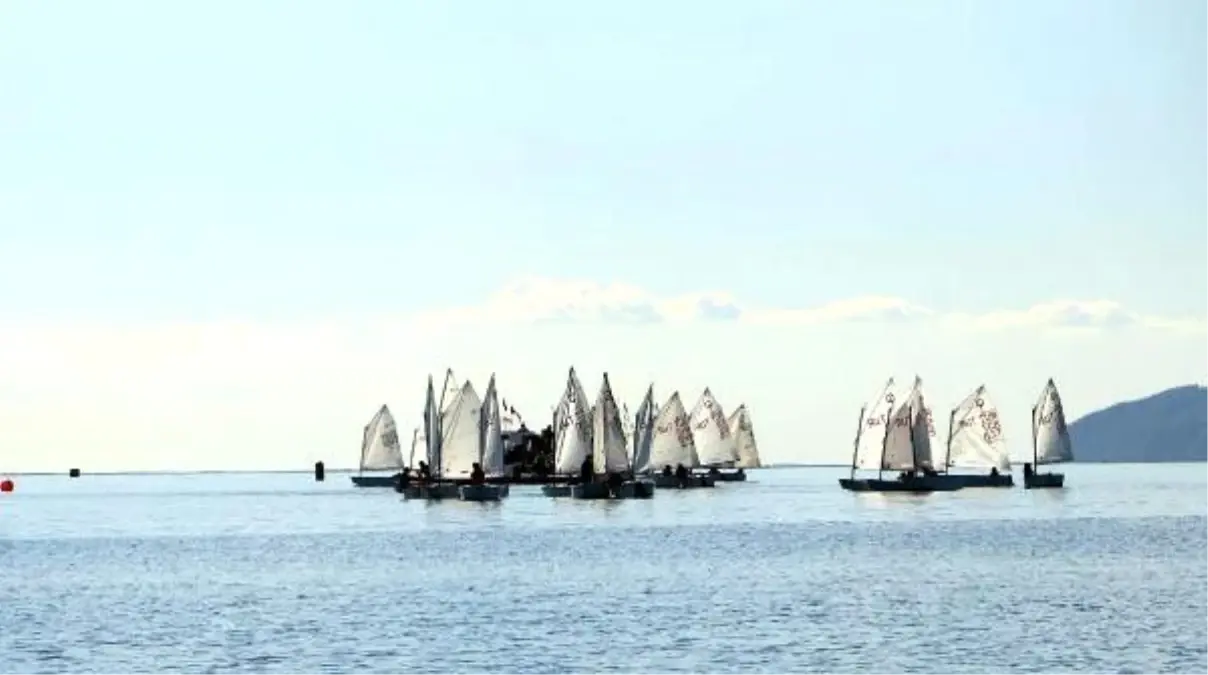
x=643 y=433
x=433 y=488
x=715 y=443
x=744 y=438
x=610 y=456
x=380 y=451
x=572 y=436
x=673 y=450
x=490 y=451
x=1050 y=440
x=905 y=445
x=976 y=440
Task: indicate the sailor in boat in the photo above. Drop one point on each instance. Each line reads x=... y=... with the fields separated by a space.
x=994 y=472
x=404 y=477
x=615 y=481
x=425 y=474
x=587 y=471
x=681 y=474
x=477 y=475
x=667 y=470
x=1027 y=470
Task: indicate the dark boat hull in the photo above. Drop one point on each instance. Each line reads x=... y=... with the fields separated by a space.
x=1043 y=480
x=1002 y=480
x=920 y=485
x=730 y=477
x=482 y=493
x=632 y=489
x=431 y=492
x=375 y=481
x=672 y=483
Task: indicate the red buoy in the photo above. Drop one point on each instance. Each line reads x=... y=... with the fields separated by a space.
x=6 y=485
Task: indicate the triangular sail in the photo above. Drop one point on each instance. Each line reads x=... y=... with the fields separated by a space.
x=1050 y=434
x=491 y=424
x=448 y=393
x=643 y=430
x=608 y=435
x=459 y=442
x=923 y=429
x=711 y=432
x=897 y=453
x=627 y=425
x=380 y=448
x=432 y=430
x=976 y=439
x=572 y=435
x=870 y=436
x=672 y=443
x=744 y=438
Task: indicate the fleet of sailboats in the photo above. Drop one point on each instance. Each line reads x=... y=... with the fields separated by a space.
x=600 y=451
x=895 y=433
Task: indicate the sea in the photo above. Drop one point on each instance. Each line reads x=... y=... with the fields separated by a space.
x=786 y=573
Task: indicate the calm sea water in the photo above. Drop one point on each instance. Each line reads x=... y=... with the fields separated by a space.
x=786 y=573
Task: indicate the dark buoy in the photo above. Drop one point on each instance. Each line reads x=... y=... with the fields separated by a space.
x=320 y=472
x=6 y=485
x=74 y=473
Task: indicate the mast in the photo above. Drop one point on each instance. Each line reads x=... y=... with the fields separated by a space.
x=948 y=450
x=914 y=447
x=855 y=450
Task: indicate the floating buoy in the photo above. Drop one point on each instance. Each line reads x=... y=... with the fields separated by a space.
x=74 y=473
x=7 y=485
x=320 y=472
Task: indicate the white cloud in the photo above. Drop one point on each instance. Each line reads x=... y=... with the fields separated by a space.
x=273 y=394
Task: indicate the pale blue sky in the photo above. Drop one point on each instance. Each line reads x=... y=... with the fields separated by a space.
x=306 y=160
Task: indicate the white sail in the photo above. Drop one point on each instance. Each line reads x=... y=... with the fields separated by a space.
x=1051 y=438
x=922 y=427
x=449 y=393
x=897 y=452
x=608 y=435
x=380 y=448
x=491 y=423
x=572 y=436
x=672 y=441
x=432 y=430
x=870 y=435
x=627 y=425
x=459 y=436
x=711 y=432
x=744 y=438
x=643 y=431
x=975 y=436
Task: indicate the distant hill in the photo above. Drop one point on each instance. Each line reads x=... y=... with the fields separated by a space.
x=1170 y=426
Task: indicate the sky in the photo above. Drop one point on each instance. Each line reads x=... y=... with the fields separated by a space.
x=229 y=231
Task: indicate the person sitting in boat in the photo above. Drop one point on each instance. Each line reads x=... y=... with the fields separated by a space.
x=667 y=470
x=615 y=481
x=477 y=475
x=1027 y=469
x=994 y=472
x=425 y=474
x=587 y=471
x=681 y=472
x=404 y=477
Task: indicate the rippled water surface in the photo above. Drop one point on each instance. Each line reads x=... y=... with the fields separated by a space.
x=275 y=573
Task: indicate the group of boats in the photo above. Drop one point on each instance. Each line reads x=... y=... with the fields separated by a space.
x=896 y=433
x=599 y=450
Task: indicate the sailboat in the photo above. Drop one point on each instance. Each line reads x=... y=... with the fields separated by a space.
x=434 y=437
x=490 y=451
x=905 y=444
x=1050 y=440
x=715 y=441
x=976 y=440
x=643 y=434
x=672 y=446
x=609 y=455
x=572 y=436
x=744 y=438
x=380 y=451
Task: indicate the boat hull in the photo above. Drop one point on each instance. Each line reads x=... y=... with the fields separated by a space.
x=637 y=489
x=920 y=485
x=431 y=492
x=364 y=481
x=1043 y=480
x=556 y=490
x=1002 y=480
x=590 y=491
x=673 y=483
x=482 y=493
x=730 y=477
